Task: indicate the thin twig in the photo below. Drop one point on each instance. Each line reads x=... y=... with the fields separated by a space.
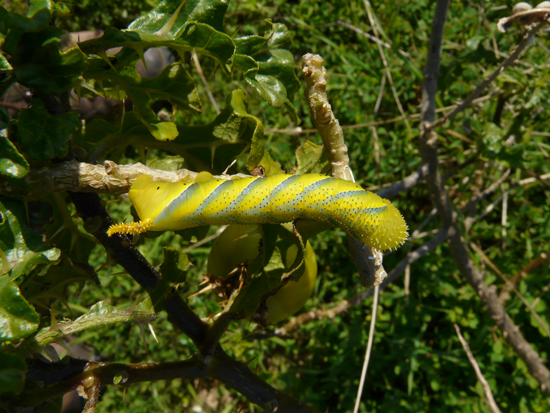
x=368 y=351
x=489 y=190
x=523 y=18
x=376 y=140
x=92 y=395
x=407 y=282
x=205 y=240
x=504 y=217
x=543 y=291
x=486 y=388
x=369 y=36
x=470 y=206
x=522 y=182
x=415 y=116
x=368 y=7
x=413 y=179
x=205 y=83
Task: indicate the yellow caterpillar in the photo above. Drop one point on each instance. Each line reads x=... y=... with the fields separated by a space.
x=273 y=200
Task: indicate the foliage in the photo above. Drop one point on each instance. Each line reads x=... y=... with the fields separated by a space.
x=51 y=265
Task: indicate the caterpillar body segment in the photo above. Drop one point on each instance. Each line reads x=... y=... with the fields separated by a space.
x=273 y=200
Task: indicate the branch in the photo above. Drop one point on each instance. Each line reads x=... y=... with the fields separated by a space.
x=486 y=388
x=367 y=260
x=448 y=216
x=222 y=367
x=109 y=178
x=405 y=184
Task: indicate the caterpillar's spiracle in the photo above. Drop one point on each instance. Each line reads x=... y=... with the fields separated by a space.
x=273 y=200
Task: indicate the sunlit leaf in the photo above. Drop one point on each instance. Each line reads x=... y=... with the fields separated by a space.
x=198 y=27
x=268 y=67
x=17 y=317
x=12 y=163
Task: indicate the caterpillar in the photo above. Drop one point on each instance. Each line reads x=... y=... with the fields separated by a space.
x=273 y=200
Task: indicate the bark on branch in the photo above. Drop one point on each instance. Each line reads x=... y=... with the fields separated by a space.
x=108 y=178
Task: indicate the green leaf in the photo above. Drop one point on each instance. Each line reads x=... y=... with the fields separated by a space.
x=204 y=11
x=34 y=259
x=38 y=17
x=39 y=63
x=44 y=287
x=12 y=163
x=198 y=28
x=175 y=265
x=100 y=314
x=43 y=136
x=311 y=159
x=12 y=373
x=22 y=248
x=17 y=318
x=4 y=64
x=267 y=163
x=268 y=67
x=167 y=163
x=210 y=147
x=36 y=6
x=173 y=84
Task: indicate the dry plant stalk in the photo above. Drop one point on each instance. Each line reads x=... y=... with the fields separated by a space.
x=486 y=388
x=367 y=260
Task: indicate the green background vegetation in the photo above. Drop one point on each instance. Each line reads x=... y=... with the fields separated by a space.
x=418 y=363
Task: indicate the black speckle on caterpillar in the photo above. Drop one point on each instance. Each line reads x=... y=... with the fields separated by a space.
x=273 y=200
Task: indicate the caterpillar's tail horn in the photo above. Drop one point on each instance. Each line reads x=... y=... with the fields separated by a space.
x=132 y=228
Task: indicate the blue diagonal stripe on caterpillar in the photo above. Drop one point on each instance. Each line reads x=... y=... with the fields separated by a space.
x=273 y=200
